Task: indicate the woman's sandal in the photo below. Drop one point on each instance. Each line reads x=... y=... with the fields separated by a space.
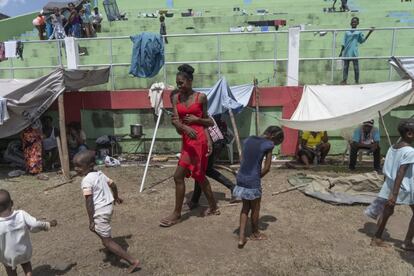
x=42 y=177
x=209 y=212
x=168 y=223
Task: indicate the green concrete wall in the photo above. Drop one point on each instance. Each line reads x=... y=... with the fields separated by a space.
x=218 y=16
x=15 y=26
x=117 y=122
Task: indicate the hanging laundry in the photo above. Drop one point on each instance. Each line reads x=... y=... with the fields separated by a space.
x=10 y=49
x=13 y=49
x=19 y=49
x=4 y=115
x=155 y=96
x=2 y=52
x=147 y=55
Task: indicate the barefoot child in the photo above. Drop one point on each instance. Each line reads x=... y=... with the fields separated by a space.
x=248 y=178
x=398 y=187
x=15 y=245
x=100 y=193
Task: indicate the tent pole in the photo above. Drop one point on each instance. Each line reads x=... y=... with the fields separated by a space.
x=385 y=128
x=257 y=100
x=236 y=134
x=59 y=146
x=150 y=151
x=63 y=137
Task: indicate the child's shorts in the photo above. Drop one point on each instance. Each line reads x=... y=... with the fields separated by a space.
x=102 y=220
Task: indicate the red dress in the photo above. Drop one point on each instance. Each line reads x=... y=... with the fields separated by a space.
x=194 y=151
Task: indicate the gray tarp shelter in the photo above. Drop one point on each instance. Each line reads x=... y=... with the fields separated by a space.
x=27 y=100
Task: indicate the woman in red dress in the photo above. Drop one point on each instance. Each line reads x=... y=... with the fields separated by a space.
x=190 y=119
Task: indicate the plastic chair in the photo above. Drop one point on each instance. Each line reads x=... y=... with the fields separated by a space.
x=230 y=148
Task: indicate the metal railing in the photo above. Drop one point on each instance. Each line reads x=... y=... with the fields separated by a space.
x=219 y=61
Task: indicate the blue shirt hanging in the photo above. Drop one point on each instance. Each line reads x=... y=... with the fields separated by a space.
x=147 y=55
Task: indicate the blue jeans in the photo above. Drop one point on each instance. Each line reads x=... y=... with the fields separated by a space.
x=76 y=30
x=346 y=69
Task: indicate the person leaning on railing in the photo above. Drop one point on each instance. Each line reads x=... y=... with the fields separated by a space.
x=352 y=39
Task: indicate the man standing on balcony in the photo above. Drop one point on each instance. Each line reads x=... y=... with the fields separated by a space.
x=349 y=50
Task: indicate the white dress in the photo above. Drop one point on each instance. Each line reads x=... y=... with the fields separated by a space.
x=393 y=160
x=15 y=244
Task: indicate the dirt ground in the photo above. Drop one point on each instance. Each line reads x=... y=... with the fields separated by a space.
x=306 y=236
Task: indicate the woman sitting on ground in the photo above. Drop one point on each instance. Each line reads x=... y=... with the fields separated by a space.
x=313 y=144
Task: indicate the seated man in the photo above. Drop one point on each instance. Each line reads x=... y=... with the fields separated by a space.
x=366 y=137
x=313 y=144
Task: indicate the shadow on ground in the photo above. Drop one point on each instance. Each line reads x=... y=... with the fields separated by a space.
x=264 y=223
x=47 y=270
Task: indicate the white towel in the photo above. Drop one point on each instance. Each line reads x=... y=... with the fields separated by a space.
x=10 y=49
x=155 y=96
x=4 y=115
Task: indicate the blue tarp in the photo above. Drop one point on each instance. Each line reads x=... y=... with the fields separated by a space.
x=147 y=55
x=221 y=97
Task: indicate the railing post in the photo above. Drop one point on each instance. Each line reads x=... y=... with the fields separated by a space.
x=111 y=62
x=392 y=51
x=219 y=56
x=11 y=68
x=333 y=56
x=275 y=62
x=59 y=49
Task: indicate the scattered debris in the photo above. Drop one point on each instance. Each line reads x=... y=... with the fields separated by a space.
x=289 y=189
x=58 y=185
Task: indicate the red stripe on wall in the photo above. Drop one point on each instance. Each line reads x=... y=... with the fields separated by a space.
x=283 y=96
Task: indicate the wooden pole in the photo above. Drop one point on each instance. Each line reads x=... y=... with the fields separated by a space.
x=385 y=128
x=63 y=137
x=290 y=189
x=59 y=146
x=256 y=92
x=236 y=134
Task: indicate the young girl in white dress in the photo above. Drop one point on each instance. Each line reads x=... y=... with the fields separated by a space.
x=398 y=187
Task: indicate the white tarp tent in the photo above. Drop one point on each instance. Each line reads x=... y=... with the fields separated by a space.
x=331 y=107
x=338 y=107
